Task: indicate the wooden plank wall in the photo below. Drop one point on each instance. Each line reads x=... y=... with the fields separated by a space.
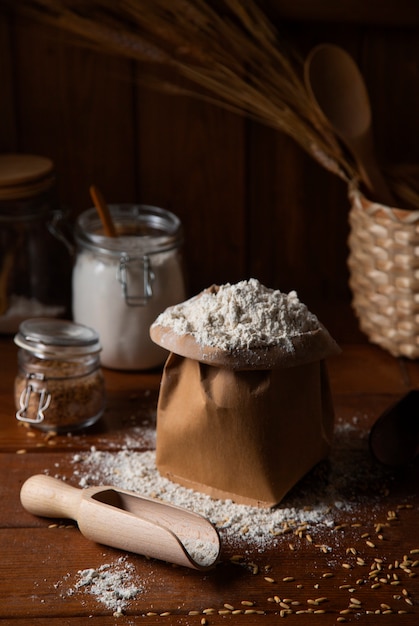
x=252 y=203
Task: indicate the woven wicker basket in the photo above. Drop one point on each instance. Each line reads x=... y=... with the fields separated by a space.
x=384 y=273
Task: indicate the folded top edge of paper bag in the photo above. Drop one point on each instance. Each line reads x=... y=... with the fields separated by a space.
x=244 y=326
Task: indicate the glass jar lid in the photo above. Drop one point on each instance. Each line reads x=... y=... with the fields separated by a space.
x=141 y=229
x=56 y=338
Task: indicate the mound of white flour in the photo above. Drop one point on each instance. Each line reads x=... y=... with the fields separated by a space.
x=241 y=316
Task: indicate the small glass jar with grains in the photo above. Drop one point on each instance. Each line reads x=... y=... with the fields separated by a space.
x=59 y=385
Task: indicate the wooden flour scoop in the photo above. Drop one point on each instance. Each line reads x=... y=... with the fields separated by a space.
x=127 y=521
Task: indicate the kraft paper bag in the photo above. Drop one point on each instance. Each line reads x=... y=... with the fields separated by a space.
x=244 y=435
x=243 y=420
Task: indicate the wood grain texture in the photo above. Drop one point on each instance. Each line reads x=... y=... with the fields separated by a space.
x=8 y=136
x=251 y=202
x=191 y=161
x=376 y=12
x=40 y=563
x=76 y=107
x=100 y=126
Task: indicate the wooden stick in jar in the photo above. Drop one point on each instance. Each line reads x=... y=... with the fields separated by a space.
x=103 y=211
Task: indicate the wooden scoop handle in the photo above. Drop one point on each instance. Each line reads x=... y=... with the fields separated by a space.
x=49 y=497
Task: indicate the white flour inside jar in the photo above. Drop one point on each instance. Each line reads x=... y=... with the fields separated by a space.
x=241 y=316
x=99 y=302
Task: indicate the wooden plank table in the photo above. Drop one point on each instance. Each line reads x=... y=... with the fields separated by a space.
x=360 y=569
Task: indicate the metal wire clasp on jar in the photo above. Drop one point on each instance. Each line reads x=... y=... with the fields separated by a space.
x=126 y=265
x=59 y=385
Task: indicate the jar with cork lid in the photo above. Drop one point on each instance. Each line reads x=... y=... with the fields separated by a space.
x=59 y=385
x=35 y=263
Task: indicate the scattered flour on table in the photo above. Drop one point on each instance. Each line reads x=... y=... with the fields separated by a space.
x=111 y=583
x=333 y=487
x=318 y=501
x=139 y=437
x=137 y=471
x=244 y=315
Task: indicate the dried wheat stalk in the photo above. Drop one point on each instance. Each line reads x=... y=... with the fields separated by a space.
x=224 y=51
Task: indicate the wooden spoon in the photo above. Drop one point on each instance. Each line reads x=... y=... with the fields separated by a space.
x=337 y=87
x=127 y=520
x=103 y=210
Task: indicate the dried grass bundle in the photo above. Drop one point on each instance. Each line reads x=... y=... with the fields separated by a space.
x=223 y=51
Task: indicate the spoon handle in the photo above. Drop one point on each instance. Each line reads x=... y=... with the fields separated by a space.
x=48 y=497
